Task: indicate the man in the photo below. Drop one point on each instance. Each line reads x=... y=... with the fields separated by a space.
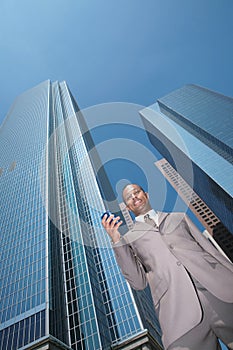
x=190 y=281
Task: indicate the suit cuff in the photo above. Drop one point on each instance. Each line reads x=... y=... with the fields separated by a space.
x=115 y=244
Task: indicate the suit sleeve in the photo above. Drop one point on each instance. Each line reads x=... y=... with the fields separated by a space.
x=130 y=265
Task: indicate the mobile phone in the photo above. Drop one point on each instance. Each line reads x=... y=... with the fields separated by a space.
x=108 y=213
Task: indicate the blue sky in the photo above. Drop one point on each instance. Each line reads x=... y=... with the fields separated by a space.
x=127 y=50
x=130 y=51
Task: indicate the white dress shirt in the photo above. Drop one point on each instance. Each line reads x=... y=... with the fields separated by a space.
x=153 y=215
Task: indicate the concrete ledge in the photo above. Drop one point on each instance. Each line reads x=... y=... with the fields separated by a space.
x=142 y=341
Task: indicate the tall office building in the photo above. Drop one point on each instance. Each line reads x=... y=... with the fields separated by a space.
x=218 y=233
x=126 y=215
x=60 y=286
x=192 y=128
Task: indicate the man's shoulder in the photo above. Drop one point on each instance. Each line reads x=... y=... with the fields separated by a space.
x=170 y=215
x=169 y=221
x=180 y=213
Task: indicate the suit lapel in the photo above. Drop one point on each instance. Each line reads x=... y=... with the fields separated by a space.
x=161 y=216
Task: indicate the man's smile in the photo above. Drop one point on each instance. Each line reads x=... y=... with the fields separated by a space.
x=137 y=202
x=136 y=199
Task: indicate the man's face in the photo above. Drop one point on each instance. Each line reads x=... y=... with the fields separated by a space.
x=136 y=199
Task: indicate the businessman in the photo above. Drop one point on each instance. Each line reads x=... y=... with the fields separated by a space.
x=190 y=281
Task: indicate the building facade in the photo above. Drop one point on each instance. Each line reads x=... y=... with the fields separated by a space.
x=60 y=286
x=126 y=215
x=217 y=232
x=192 y=128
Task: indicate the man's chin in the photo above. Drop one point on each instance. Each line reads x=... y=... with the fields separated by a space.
x=139 y=209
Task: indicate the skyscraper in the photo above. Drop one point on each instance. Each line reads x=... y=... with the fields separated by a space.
x=60 y=286
x=192 y=128
x=218 y=234
x=126 y=215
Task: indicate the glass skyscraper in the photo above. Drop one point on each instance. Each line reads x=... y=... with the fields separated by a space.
x=192 y=128
x=60 y=286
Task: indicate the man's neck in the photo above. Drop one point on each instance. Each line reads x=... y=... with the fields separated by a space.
x=144 y=211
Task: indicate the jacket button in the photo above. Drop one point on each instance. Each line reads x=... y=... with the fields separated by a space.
x=178 y=263
x=171 y=246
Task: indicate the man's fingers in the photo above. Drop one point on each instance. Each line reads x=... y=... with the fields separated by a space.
x=111 y=221
x=107 y=218
x=114 y=221
x=110 y=218
x=119 y=224
x=104 y=220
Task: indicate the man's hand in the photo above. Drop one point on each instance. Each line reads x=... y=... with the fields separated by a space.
x=111 y=225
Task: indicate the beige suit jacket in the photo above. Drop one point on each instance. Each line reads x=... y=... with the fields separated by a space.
x=162 y=258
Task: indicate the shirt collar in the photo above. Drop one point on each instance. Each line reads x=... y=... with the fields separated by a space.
x=153 y=214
